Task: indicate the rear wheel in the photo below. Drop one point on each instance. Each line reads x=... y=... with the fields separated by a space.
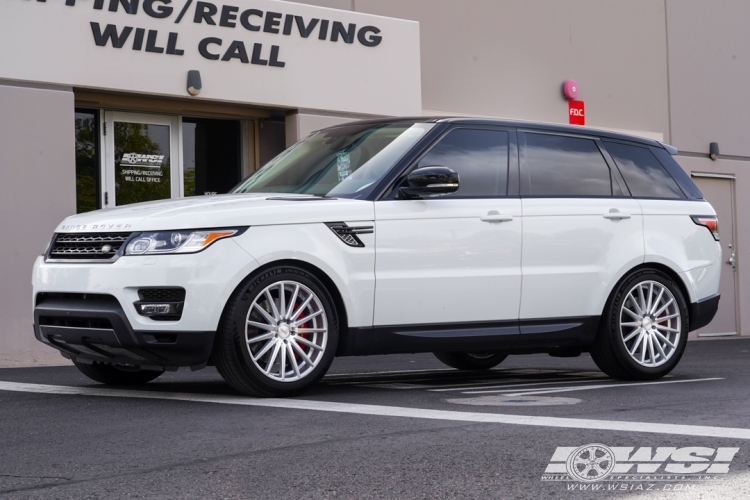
x=644 y=328
x=278 y=335
x=117 y=374
x=471 y=360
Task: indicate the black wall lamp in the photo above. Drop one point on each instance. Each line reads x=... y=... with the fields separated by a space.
x=194 y=82
x=713 y=150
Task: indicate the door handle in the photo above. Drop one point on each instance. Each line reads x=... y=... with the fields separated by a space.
x=615 y=214
x=496 y=217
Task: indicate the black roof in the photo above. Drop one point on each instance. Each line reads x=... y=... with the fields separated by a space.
x=529 y=125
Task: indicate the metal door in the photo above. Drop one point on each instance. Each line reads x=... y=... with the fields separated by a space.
x=719 y=191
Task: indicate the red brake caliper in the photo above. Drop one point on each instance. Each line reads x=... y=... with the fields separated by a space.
x=305 y=336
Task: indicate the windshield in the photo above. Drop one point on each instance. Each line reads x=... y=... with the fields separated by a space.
x=345 y=162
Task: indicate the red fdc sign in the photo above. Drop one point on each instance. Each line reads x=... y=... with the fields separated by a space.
x=575 y=112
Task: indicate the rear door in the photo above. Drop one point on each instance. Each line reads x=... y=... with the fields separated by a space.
x=581 y=231
x=456 y=258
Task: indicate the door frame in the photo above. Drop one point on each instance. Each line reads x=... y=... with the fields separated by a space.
x=107 y=172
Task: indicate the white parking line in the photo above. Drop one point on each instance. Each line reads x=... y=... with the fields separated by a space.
x=589 y=387
x=393 y=411
x=503 y=386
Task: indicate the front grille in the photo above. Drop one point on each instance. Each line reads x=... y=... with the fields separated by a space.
x=162 y=294
x=100 y=323
x=88 y=246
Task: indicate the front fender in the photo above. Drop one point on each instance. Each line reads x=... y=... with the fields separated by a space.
x=352 y=269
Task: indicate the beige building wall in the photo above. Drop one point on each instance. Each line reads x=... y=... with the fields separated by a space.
x=37 y=173
x=509 y=58
x=709 y=78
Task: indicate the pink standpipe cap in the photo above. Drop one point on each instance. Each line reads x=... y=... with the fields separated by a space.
x=570 y=89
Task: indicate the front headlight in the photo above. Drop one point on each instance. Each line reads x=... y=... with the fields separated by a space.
x=163 y=242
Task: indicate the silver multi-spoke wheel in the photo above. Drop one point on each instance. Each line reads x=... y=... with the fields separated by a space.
x=286 y=331
x=650 y=323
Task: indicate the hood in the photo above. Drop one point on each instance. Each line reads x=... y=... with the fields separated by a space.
x=228 y=210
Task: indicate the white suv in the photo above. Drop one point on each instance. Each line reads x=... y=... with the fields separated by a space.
x=469 y=238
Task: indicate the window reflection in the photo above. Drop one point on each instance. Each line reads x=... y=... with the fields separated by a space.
x=565 y=166
x=479 y=156
x=87 y=160
x=644 y=175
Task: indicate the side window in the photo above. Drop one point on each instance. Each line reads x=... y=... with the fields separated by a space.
x=479 y=156
x=644 y=175
x=556 y=165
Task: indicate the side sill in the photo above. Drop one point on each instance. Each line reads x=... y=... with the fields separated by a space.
x=526 y=336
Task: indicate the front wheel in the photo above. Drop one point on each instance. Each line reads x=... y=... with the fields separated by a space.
x=278 y=335
x=117 y=374
x=471 y=360
x=644 y=328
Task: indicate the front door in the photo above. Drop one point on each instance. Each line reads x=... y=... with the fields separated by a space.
x=454 y=259
x=719 y=191
x=141 y=158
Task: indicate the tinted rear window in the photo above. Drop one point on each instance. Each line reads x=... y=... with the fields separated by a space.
x=564 y=166
x=644 y=175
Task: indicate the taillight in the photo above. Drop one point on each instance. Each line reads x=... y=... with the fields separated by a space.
x=709 y=221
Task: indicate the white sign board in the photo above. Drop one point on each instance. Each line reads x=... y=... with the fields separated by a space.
x=262 y=52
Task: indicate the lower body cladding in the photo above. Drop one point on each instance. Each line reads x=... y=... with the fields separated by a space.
x=95 y=328
x=91 y=327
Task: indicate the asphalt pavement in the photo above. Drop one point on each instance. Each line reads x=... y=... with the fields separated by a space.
x=380 y=427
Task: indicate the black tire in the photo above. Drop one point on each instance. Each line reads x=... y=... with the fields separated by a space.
x=471 y=360
x=112 y=375
x=232 y=355
x=609 y=351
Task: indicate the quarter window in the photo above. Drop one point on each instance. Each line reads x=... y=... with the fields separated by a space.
x=644 y=175
x=479 y=156
x=557 y=165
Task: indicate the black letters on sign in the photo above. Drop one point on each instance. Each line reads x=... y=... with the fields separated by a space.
x=203 y=47
x=130 y=6
x=305 y=31
x=245 y=19
x=160 y=12
x=271 y=25
x=138 y=38
x=228 y=16
x=347 y=35
x=110 y=33
x=371 y=41
x=172 y=45
x=205 y=11
x=236 y=50
x=151 y=42
x=288 y=20
x=323 y=34
x=274 y=60
x=257 y=47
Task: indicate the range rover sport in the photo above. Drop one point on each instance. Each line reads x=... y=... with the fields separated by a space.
x=474 y=239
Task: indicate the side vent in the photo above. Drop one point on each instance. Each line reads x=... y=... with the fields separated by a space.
x=349 y=234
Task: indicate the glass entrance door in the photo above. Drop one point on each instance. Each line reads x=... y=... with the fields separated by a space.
x=141 y=158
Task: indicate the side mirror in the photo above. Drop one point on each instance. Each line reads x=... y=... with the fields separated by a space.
x=430 y=181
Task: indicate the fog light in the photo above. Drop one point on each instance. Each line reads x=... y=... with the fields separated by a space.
x=152 y=309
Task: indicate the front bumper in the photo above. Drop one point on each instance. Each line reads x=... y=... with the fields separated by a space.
x=93 y=304
x=95 y=328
